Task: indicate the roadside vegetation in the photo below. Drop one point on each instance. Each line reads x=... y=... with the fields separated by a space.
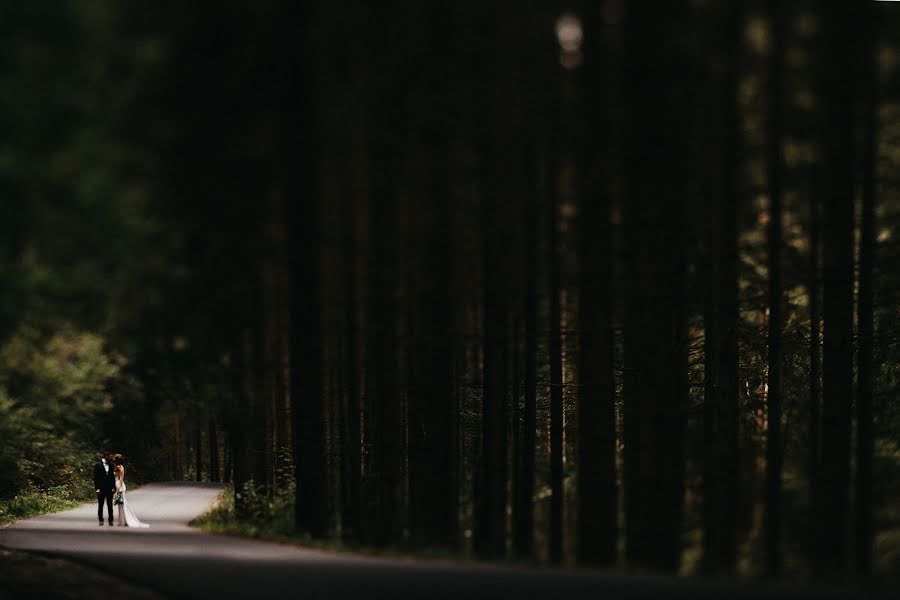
x=264 y=517
x=34 y=503
x=54 y=398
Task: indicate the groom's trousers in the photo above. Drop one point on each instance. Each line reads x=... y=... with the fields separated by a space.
x=108 y=498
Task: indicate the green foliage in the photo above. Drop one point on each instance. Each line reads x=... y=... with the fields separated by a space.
x=251 y=512
x=38 y=503
x=53 y=400
x=64 y=374
x=255 y=511
x=73 y=227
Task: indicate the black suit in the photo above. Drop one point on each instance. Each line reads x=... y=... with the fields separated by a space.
x=105 y=481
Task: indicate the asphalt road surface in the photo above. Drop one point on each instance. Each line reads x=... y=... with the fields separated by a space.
x=177 y=561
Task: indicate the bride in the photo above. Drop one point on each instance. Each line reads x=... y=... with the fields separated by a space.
x=126 y=517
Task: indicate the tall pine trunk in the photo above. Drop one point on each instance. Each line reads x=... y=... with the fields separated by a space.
x=351 y=465
x=307 y=349
x=524 y=523
x=721 y=486
x=491 y=488
x=837 y=79
x=491 y=476
x=439 y=411
x=556 y=376
x=655 y=386
x=534 y=112
x=863 y=527
x=384 y=378
x=213 y=441
x=815 y=360
x=597 y=534
x=775 y=169
x=385 y=278
x=198 y=453
x=238 y=434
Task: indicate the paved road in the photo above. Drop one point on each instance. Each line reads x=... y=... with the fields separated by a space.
x=182 y=562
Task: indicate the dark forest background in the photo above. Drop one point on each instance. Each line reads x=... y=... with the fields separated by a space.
x=599 y=282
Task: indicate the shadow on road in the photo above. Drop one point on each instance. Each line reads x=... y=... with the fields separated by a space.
x=183 y=562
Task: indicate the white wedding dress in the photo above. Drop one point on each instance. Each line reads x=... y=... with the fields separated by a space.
x=126 y=517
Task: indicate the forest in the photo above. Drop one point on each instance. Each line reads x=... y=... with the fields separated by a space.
x=601 y=283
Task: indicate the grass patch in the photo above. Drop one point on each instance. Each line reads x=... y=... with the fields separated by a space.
x=251 y=514
x=262 y=518
x=36 y=502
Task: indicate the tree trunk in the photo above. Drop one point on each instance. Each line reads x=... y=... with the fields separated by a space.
x=721 y=479
x=311 y=514
x=711 y=346
x=491 y=496
x=863 y=527
x=283 y=418
x=269 y=343
x=307 y=349
x=556 y=376
x=597 y=533
x=524 y=523
x=352 y=456
x=440 y=415
x=384 y=380
x=655 y=340
x=227 y=464
x=833 y=504
x=213 y=441
x=239 y=433
x=384 y=377
x=838 y=75
x=198 y=454
x=491 y=468
x=774 y=448
x=815 y=361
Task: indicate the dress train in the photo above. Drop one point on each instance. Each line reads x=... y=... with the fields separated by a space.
x=127 y=518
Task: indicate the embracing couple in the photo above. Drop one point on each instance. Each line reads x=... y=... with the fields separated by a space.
x=109 y=483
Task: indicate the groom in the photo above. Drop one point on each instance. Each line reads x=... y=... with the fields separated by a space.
x=105 y=486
